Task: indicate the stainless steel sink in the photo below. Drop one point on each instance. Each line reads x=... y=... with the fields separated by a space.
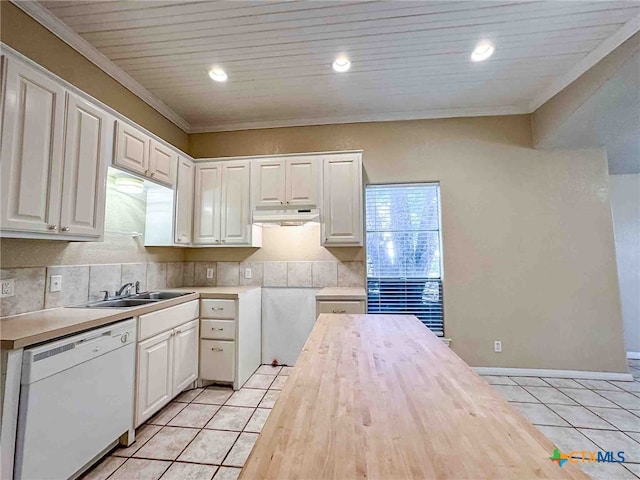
x=159 y=295
x=133 y=300
x=117 y=303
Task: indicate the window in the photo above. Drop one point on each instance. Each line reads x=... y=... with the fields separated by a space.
x=404 y=272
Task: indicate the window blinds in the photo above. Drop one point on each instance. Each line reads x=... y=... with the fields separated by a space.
x=403 y=252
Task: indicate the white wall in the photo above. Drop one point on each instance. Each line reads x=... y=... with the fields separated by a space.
x=625 y=205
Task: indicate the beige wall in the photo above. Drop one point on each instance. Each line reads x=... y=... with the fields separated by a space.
x=22 y=33
x=528 y=243
x=547 y=119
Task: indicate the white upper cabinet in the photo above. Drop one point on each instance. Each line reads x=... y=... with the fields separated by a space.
x=32 y=150
x=206 y=218
x=184 y=201
x=162 y=161
x=285 y=182
x=342 y=200
x=268 y=183
x=236 y=209
x=55 y=149
x=87 y=146
x=302 y=182
x=138 y=152
x=132 y=149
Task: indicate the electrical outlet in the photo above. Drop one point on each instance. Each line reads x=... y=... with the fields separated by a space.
x=209 y=272
x=247 y=273
x=55 y=285
x=7 y=288
x=497 y=346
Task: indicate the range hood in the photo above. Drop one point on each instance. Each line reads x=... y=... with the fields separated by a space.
x=286 y=217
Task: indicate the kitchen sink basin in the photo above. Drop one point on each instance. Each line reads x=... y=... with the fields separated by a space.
x=159 y=295
x=117 y=303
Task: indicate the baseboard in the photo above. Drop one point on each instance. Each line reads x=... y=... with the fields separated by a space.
x=633 y=355
x=535 y=372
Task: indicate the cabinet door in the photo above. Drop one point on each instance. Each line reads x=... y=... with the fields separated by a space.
x=184 y=201
x=154 y=373
x=268 y=183
x=207 y=203
x=302 y=182
x=32 y=149
x=85 y=165
x=185 y=355
x=217 y=360
x=162 y=161
x=342 y=200
x=132 y=149
x=236 y=213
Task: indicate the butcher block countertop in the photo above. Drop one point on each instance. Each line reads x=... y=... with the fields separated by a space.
x=381 y=397
x=26 y=329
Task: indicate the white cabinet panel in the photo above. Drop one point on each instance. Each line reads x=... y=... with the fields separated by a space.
x=132 y=148
x=155 y=371
x=184 y=201
x=218 y=329
x=85 y=164
x=236 y=209
x=218 y=308
x=162 y=161
x=186 y=341
x=207 y=203
x=32 y=149
x=217 y=360
x=268 y=183
x=302 y=182
x=342 y=200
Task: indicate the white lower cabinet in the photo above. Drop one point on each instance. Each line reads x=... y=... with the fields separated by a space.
x=218 y=360
x=231 y=337
x=155 y=370
x=167 y=362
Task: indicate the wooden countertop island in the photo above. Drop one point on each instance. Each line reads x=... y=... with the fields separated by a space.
x=381 y=397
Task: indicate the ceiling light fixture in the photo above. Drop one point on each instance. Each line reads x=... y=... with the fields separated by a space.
x=341 y=64
x=483 y=50
x=218 y=74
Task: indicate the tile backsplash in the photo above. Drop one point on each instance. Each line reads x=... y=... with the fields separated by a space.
x=81 y=283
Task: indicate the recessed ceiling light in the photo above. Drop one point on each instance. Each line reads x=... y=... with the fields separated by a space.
x=483 y=50
x=341 y=64
x=218 y=74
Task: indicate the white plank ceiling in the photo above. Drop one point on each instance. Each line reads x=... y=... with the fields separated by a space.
x=410 y=59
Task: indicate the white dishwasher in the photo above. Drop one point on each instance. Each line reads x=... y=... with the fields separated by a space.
x=76 y=400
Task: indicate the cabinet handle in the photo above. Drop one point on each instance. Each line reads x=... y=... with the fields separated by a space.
x=52 y=227
x=217 y=329
x=217 y=349
x=64 y=229
x=217 y=309
x=223 y=240
x=339 y=311
x=146 y=172
x=153 y=173
x=178 y=332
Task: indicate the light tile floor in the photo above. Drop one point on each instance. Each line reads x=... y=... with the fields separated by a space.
x=209 y=433
x=579 y=415
x=204 y=433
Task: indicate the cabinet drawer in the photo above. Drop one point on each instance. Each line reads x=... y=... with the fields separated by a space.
x=217 y=360
x=351 y=306
x=218 y=329
x=166 y=319
x=213 y=308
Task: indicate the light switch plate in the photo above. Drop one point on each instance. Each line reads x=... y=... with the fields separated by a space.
x=497 y=346
x=55 y=285
x=247 y=273
x=7 y=288
x=209 y=272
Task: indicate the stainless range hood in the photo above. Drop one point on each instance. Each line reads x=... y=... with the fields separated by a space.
x=286 y=217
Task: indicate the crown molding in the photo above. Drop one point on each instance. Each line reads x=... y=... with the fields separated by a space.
x=43 y=16
x=605 y=48
x=377 y=117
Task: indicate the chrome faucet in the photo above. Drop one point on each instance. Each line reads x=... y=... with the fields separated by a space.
x=125 y=288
